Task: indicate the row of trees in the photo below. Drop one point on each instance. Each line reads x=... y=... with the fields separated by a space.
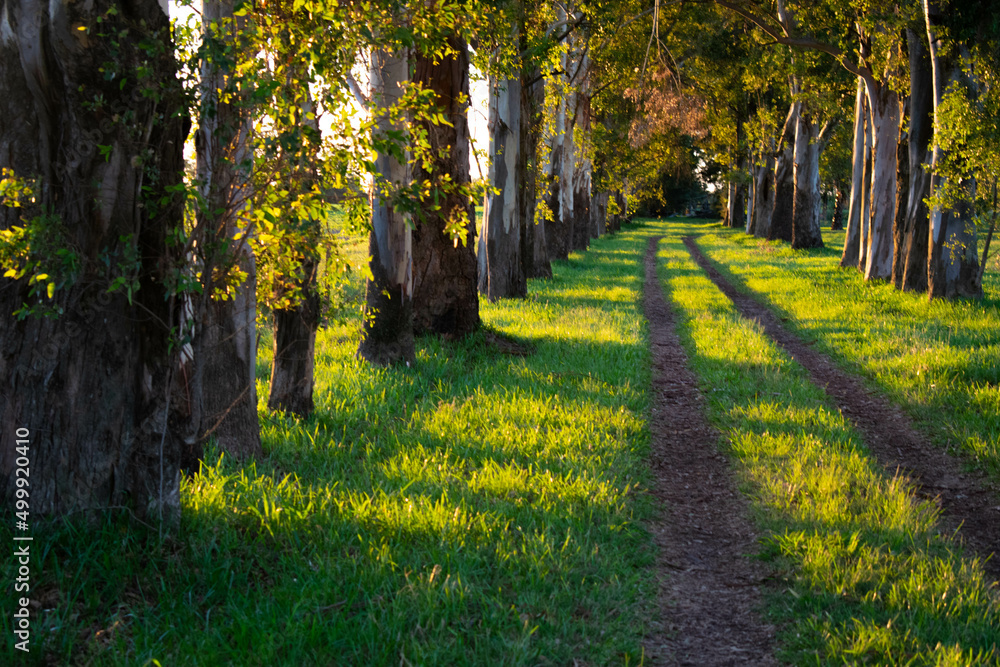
x=131 y=289
x=135 y=289
x=887 y=107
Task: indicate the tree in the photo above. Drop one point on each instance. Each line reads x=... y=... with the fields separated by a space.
x=503 y=254
x=910 y=258
x=952 y=267
x=388 y=320
x=93 y=255
x=223 y=371
x=445 y=298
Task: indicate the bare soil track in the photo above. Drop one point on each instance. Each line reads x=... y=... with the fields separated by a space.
x=710 y=588
x=969 y=502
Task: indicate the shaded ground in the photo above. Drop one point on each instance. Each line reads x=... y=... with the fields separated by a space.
x=969 y=503
x=709 y=587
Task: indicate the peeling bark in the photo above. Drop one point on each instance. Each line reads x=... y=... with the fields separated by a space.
x=501 y=269
x=806 y=208
x=388 y=322
x=883 y=103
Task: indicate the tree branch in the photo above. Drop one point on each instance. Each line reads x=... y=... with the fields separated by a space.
x=783 y=36
x=355 y=89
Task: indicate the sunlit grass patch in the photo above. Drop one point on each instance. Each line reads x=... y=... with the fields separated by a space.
x=865 y=576
x=477 y=508
x=940 y=360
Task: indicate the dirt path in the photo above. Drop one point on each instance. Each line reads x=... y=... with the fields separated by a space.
x=969 y=502
x=709 y=588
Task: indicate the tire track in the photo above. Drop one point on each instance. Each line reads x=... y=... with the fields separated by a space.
x=969 y=503
x=709 y=589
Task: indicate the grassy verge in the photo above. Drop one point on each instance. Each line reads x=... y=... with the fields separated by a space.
x=474 y=509
x=940 y=360
x=864 y=577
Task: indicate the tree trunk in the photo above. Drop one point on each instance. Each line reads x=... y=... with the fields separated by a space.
x=737 y=208
x=952 y=263
x=534 y=252
x=557 y=229
x=737 y=218
x=883 y=105
x=295 y=325
x=764 y=197
x=445 y=298
x=567 y=164
x=837 y=223
x=501 y=269
x=224 y=364
x=806 y=210
x=294 y=348
x=92 y=387
x=388 y=322
x=599 y=214
x=865 y=228
x=855 y=217
x=784 y=182
x=902 y=195
x=582 y=175
x=916 y=225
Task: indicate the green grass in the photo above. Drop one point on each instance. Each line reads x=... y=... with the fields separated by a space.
x=863 y=577
x=487 y=509
x=940 y=360
x=478 y=508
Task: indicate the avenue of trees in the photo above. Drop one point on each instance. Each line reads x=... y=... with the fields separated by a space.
x=133 y=282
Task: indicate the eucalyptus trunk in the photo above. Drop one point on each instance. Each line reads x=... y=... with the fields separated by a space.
x=855 y=219
x=916 y=224
x=296 y=321
x=388 y=320
x=501 y=268
x=902 y=195
x=865 y=228
x=445 y=298
x=763 y=197
x=558 y=231
x=567 y=165
x=95 y=388
x=534 y=252
x=224 y=368
x=883 y=103
x=806 y=209
x=952 y=263
x=582 y=170
x=837 y=223
x=599 y=214
x=784 y=181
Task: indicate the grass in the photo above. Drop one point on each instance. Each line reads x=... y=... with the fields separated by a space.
x=939 y=360
x=478 y=508
x=865 y=577
x=483 y=508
